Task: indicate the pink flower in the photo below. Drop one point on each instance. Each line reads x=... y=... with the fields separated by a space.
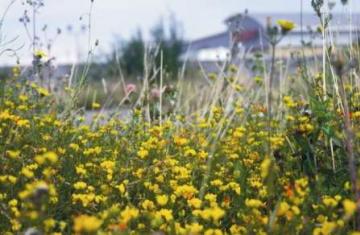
x=155 y=93
x=130 y=88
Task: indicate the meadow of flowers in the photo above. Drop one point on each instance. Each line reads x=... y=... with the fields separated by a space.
x=220 y=172
x=277 y=155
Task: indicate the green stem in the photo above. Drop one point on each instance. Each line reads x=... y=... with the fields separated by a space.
x=270 y=93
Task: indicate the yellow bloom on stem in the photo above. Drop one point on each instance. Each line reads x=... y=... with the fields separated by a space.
x=194 y=228
x=186 y=191
x=164 y=214
x=75 y=147
x=162 y=200
x=217 y=213
x=214 y=214
x=148 y=205
x=13 y=153
x=121 y=188
x=213 y=232
x=253 y=203
x=51 y=157
x=265 y=167
x=13 y=203
x=42 y=91
x=95 y=105
x=326 y=228
x=289 y=102
x=195 y=203
x=210 y=197
x=27 y=172
x=286 y=25
x=128 y=214
x=23 y=123
x=86 y=224
x=15 y=225
x=80 y=185
x=283 y=208
x=349 y=207
x=329 y=201
x=40 y=54
x=142 y=153
x=49 y=224
x=180 y=141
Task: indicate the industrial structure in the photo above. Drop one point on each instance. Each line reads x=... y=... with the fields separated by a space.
x=246 y=33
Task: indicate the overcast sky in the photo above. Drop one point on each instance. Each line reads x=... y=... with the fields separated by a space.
x=121 y=18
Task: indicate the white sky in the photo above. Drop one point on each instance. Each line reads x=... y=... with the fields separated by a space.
x=122 y=18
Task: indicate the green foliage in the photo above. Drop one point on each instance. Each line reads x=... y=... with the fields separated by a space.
x=130 y=55
x=171 y=46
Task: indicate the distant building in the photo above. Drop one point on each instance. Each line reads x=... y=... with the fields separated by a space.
x=247 y=33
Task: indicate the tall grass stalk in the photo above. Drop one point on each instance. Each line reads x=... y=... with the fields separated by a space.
x=324 y=18
x=270 y=94
x=161 y=86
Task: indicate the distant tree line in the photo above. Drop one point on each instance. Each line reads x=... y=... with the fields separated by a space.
x=129 y=55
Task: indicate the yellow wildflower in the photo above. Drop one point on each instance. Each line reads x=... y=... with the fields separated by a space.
x=86 y=224
x=128 y=214
x=253 y=203
x=42 y=91
x=180 y=141
x=40 y=54
x=265 y=167
x=213 y=232
x=148 y=205
x=286 y=25
x=349 y=207
x=80 y=185
x=165 y=214
x=142 y=153
x=162 y=200
x=329 y=201
x=194 y=228
x=13 y=153
x=195 y=203
x=283 y=208
x=95 y=105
